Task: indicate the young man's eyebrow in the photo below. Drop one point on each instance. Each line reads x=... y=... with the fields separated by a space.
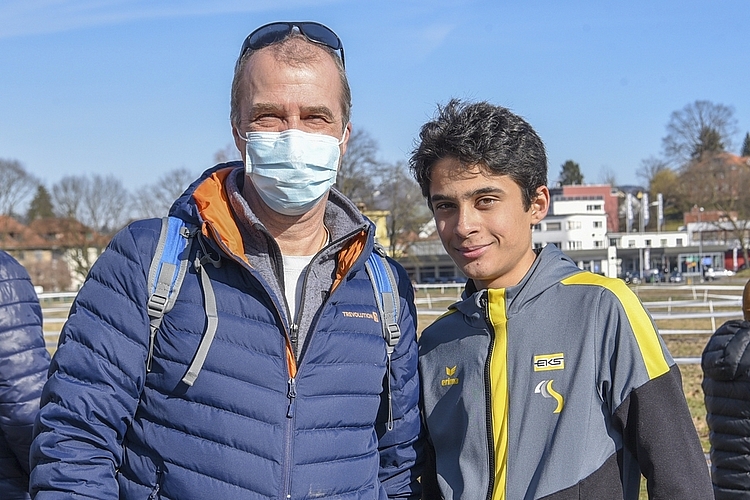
x=470 y=194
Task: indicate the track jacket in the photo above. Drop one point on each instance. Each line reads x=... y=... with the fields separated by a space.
x=266 y=417
x=24 y=361
x=726 y=387
x=556 y=388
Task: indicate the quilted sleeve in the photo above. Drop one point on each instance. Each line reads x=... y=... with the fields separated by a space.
x=96 y=375
x=401 y=448
x=24 y=359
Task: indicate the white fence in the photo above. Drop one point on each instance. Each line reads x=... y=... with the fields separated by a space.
x=718 y=303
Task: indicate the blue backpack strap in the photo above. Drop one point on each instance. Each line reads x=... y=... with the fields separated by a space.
x=386 y=295
x=165 y=275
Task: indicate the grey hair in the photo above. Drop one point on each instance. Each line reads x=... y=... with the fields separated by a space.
x=291 y=52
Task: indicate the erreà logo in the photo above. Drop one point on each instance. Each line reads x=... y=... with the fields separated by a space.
x=363 y=315
x=546 y=362
x=451 y=379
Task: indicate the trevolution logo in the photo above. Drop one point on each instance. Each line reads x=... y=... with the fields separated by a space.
x=362 y=315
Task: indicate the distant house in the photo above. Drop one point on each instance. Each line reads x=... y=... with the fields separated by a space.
x=56 y=252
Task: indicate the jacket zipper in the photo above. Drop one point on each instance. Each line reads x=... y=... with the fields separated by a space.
x=155 y=491
x=292 y=395
x=291 y=383
x=488 y=397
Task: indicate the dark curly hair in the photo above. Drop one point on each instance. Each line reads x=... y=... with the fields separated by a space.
x=481 y=134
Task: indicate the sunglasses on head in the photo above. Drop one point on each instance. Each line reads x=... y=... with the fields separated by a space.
x=271 y=33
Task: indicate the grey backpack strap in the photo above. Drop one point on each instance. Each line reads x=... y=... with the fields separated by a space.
x=386 y=296
x=165 y=275
x=209 y=299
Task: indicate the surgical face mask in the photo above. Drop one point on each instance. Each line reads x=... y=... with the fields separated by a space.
x=291 y=170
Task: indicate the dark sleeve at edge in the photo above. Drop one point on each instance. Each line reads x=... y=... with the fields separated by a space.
x=658 y=430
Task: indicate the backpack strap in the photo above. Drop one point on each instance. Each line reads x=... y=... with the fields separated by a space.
x=165 y=275
x=386 y=295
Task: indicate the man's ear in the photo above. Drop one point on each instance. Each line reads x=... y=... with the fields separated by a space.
x=345 y=140
x=540 y=204
x=239 y=142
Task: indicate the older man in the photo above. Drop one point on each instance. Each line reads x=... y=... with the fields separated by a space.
x=284 y=391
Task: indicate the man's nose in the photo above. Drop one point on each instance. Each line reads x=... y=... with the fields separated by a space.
x=291 y=122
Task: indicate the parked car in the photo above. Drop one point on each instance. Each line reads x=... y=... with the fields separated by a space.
x=712 y=274
x=676 y=278
x=631 y=277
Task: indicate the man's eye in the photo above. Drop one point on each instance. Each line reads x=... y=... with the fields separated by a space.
x=485 y=202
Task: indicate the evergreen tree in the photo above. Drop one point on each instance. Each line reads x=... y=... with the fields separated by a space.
x=570 y=174
x=709 y=141
x=41 y=206
x=746 y=145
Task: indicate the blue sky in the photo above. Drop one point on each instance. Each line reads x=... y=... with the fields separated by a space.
x=135 y=88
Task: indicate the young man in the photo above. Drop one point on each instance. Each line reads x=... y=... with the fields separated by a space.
x=543 y=381
x=276 y=317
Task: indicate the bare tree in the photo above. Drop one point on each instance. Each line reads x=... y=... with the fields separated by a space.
x=228 y=153
x=16 y=185
x=400 y=195
x=698 y=127
x=650 y=167
x=359 y=166
x=721 y=181
x=154 y=200
x=608 y=176
x=67 y=196
x=99 y=202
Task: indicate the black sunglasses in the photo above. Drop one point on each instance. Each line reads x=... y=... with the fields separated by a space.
x=271 y=33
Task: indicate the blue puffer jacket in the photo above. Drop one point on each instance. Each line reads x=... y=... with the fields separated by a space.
x=24 y=361
x=262 y=420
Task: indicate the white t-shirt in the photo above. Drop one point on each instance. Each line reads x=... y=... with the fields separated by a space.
x=294 y=274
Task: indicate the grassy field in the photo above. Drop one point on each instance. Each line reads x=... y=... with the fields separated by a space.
x=680 y=345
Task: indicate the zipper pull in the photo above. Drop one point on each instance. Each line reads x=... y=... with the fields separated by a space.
x=291 y=394
x=294 y=336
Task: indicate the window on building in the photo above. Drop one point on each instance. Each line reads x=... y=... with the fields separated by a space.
x=538 y=245
x=592 y=208
x=613 y=242
x=598 y=244
x=598 y=224
x=678 y=242
x=631 y=243
x=575 y=245
x=663 y=242
x=647 y=243
x=573 y=224
x=554 y=226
